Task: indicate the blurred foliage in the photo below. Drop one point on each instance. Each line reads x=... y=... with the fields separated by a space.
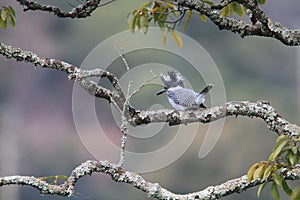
x=167 y=14
x=158 y=12
x=284 y=156
x=7 y=17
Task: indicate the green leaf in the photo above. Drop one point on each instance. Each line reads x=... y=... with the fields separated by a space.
x=11 y=19
x=225 y=11
x=188 y=17
x=169 y=5
x=279 y=148
x=163 y=17
x=274 y=192
x=251 y=171
x=3 y=14
x=271 y=157
x=237 y=8
x=63 y=177
x=146 y=5
x=277 y=179
x=176 y=37
x=175 y=13
x=144 y=23
x=11 y=10
x=293 y=159
x=282 y=138
x=295 y=150
x=161 y=25
x=138 y=22
x=245 y=9
x=3 y=24
x=260 y=189
x=296 y=194
x=259 y=172
x=203 y=18
x=268 y=172
x=261 y=2
x=286 y=187
x=132 y=22
x=231 y=12
x=151 y=5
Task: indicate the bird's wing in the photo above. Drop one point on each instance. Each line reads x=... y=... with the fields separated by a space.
x=184 y=97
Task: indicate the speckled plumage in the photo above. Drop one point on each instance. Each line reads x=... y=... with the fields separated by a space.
x=182 y=98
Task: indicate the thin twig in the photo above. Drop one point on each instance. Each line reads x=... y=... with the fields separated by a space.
x=106 y=3
x=121 y=53
x=124 y=121
x=124 y=130
x=143 y=84
x=124 y=127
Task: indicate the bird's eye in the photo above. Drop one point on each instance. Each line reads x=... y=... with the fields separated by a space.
x=165 y=87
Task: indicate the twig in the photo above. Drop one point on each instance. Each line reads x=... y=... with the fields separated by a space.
x=124 y=130
x=124 y=120
x=143 y=85
x=124 y=127
x=106 y=3
x=121 y=53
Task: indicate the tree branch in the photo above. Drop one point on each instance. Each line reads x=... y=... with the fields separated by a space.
x=152 y=189
x=73 y=72
x=266 y=27
x=81 y=11
x=260 y=109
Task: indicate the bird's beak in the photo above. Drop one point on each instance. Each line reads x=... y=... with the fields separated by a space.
x=160 y=92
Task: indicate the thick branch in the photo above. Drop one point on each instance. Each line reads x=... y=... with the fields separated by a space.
x=266 y=27
x=73 y=72
x=81 y=11
x=259 y=109
x=152 y=189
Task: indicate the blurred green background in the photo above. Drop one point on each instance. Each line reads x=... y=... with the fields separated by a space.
x=38 y=135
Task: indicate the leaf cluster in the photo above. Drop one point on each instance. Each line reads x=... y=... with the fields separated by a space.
x=158 y=12
x=7 y=16
x=166 y=14
x=234 y=8
x=285 y=155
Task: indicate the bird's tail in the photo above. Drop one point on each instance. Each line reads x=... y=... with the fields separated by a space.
x=206 y=89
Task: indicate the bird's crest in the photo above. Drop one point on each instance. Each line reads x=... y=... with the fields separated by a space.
x=172 y=79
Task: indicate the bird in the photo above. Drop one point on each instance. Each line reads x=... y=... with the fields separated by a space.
x=180 y=97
